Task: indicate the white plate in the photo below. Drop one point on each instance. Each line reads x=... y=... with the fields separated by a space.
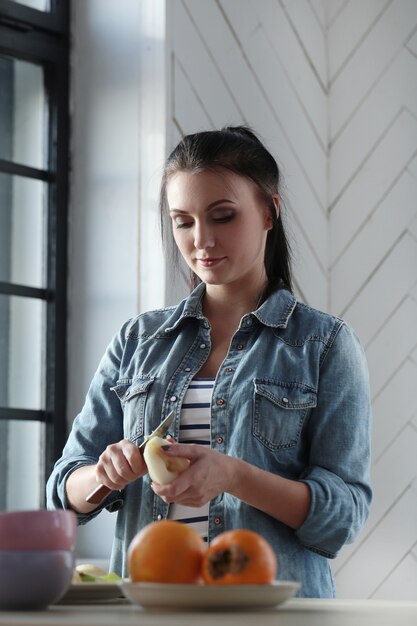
x=84 y=593
x=173 y=596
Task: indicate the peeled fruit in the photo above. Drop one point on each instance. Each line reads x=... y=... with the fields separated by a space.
x=162 y=468
x=88 y=573
x=237 y=557
x=166 y=552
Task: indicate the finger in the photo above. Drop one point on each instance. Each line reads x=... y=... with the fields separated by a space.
x=190 y=451
x=135 y=460
x=113 y=465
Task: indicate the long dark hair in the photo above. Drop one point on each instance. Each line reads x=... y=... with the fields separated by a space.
x=238 y=149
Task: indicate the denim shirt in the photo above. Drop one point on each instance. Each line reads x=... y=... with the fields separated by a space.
x=291 y=397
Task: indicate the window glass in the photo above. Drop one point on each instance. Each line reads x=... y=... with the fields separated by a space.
x=41 y=5
x=25 y=444
x=22 y=322
x=23 y=113
x=22 y=230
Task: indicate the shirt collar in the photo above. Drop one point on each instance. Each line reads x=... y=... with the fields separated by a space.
x=275 y=311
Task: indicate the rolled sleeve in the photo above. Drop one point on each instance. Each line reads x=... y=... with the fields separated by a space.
x=99 y=423
x=338 y=472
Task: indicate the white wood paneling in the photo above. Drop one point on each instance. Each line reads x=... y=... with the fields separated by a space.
x=373 y=181
x=331 y=87
x=373 y=561
x=232 y=65
x=349 y=30
x=373 y=268
x=370 y=60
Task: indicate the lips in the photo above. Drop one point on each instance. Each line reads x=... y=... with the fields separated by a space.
x=210 y=262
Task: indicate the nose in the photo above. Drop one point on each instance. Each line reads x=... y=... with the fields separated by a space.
x=203 y=236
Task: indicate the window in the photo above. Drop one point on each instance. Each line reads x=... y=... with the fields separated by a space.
x=34 y=69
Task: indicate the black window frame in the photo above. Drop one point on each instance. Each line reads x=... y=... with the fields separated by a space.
x=43 y=38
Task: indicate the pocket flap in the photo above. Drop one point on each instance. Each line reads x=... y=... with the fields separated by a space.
x=287 y=395
x=129 y=388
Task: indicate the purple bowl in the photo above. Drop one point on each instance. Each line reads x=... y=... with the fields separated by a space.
x=38 y=530
x=33 y=579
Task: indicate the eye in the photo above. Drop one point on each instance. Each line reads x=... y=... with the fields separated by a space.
x=224 y=216
x=182 y=221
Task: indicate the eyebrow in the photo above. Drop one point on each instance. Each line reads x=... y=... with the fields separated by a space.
x=210 y=206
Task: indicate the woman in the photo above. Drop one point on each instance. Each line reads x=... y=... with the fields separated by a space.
x=273 y=393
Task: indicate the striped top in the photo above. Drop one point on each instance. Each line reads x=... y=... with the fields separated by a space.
x=195 y=428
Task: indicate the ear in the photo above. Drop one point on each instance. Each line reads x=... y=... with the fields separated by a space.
x=269 y=222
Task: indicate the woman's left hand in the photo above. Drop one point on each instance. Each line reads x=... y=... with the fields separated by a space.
x=209 y=474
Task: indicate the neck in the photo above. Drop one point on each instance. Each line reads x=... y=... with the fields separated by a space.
x=224 y=300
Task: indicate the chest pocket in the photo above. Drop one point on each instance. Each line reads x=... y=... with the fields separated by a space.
x=279 y=412
x=132 y=395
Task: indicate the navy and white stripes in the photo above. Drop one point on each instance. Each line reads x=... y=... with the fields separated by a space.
x=195 y=428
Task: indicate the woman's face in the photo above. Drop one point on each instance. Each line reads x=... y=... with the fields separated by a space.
x=220 y=226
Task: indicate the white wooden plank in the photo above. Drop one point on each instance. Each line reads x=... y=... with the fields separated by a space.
x=345 y=34
x=412 y=44
x=290 y=55
x=401 y=584
x=309 y=152
x=412 y=167
x=396 y=88
x=206 y=79
x=372 y=183
x=391 y=476
x=384 y=290
x=387 y=545
x=392 y=345
x=413 y=293
x=255 y=107
x=370 y=60
x=310 y=33
x=188 y=111
x=366 y=251
x=335 y=9
x=413 y=230
x=243 y=17
x=305 y=267
x=175 y=137
x=394 y=407
x=319 y=8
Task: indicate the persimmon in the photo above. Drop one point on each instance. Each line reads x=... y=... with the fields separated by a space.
x=239 y=556
x=166 y=551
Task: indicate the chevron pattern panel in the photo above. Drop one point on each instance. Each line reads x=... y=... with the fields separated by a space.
x=372 y=52
x=243 y=62
x=331 y=87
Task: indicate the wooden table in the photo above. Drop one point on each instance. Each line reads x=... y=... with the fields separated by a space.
x=294 y=612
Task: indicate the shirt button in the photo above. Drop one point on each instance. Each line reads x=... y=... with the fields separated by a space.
x=240 y=346
x=219 y=439
x=202 y=346
x=217 y=521
x=159 y=517
x=285 y=400
x=173 y=398
x=229 y=369
x=187 y=369
x=220 y=401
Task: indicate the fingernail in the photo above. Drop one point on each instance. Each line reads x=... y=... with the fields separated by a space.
x=165 y=448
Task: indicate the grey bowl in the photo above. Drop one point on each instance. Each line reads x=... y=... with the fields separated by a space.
x=31 y=579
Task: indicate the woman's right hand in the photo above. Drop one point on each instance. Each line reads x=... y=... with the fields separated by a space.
x=119 y=465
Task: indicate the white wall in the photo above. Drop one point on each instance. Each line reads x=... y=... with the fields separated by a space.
x=373 y=267
x=242 y=62
x=310 y=76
